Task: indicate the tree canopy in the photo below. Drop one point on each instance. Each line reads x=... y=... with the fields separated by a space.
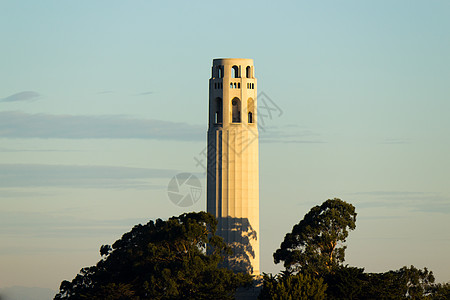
x=313 y=254
x=168 y=260
x=406 y=283
x=160 y=260
x=315 y=243
x=292 y=287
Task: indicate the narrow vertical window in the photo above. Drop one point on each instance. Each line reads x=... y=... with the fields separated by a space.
x=248 y=71
x=251 y=110
x=220 y=71
x=236 y=110
x=239 y=85
x=218 y=109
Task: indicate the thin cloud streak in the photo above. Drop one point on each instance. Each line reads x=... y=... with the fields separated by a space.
x=33 y=175
x=396 y=141
x=415 y=201
x=145 y=94
x=35 y=150
x=22 y=96
x=105 y=92
x=281 y=135
x=40 y=224
x=14 y=124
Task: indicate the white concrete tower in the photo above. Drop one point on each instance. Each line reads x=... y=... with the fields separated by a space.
x=233 y=170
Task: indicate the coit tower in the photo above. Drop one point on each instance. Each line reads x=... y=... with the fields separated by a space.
x=232 y=171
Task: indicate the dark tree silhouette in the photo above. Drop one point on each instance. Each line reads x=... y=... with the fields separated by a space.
x=315 y=243
x=289 y=286
x=405 y=283
x=160 y=260
x=313 y=254
x=240 y=233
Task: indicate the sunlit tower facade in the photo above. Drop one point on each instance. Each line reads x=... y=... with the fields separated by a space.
x=233 y=160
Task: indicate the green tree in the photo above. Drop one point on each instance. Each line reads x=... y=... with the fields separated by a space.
x=440 y=291
x=345 y=282
x=290 y=287
x=315 y=243
x=405 y=283
x=160 y=260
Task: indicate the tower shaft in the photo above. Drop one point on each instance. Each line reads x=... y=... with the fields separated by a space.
x=233 y=163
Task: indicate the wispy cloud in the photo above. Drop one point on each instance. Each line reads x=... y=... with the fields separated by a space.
x=16 y=193
x=390 y=193
x=14 y=124
x=395 y=141
x=33 y=175
x=41 y=224
x=288 y=134
x=22 y=96
x=34 y=150
x=26 y=293
x=105 y=92
x=144 y=93
x=417 y=201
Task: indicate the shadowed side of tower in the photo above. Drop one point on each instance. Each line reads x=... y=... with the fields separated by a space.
x=233 y=163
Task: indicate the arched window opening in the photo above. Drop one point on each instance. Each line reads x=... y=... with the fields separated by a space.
x=251 y=110
x=248 y=71
x=236 y=110
x=239 y=85
x=235 y=72
x=220 y=71
x=253 y=86
x=234 y=85
x=218 y=111
x=231 y=85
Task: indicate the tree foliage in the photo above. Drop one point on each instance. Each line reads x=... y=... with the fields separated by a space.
x=315 y=243
x=313 y=254
x=352 y=283
x=406 y=283
x=345 y=282
x=440 y=291
x=160 y=260
x=292 y=287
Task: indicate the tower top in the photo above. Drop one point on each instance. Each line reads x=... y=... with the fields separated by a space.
x=224 y=68
x=232 y=61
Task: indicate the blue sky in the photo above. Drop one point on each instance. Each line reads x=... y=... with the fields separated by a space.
x=102 y=102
